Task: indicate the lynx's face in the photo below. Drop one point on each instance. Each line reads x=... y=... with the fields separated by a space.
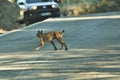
x=40 y=34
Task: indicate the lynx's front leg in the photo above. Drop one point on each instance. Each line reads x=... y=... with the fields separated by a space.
x=39 y=46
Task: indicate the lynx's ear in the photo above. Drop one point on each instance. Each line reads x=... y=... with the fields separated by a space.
x=41 y=31
x=38 y=31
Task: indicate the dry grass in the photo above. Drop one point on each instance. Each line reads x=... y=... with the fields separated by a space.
x=2 y=31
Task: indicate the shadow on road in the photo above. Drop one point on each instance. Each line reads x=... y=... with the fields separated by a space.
x=65 y=65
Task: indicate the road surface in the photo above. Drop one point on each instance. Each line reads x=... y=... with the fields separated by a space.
x=93 y=50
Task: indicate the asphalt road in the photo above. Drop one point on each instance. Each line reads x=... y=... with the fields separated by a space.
x=93 y=50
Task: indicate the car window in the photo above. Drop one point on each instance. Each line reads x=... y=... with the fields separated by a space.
x=36 y=1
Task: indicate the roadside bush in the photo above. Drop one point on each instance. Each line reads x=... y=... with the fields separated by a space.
x=9 y=12
x=97 y=6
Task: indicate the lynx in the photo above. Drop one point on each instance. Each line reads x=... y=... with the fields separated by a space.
x=49 y=37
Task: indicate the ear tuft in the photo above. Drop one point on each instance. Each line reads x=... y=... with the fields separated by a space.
x=41 y=31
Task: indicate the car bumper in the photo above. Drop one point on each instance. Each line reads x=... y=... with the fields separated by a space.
x=42 y=13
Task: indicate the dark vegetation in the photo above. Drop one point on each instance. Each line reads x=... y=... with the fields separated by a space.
x=9 y=12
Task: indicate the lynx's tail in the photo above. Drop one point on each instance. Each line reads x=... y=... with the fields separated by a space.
x=63 y=31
